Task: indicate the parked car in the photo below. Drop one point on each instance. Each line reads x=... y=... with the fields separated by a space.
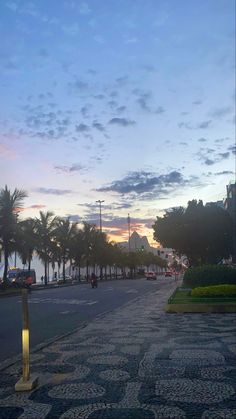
x=68 y=278
x=151 y=275
x=168 y=273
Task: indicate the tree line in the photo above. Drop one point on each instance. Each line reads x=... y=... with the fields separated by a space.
x=57 y=240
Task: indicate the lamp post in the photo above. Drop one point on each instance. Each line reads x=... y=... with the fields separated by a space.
x=100 y=212
x=128 y=220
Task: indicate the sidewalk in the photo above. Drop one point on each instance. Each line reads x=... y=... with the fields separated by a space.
x=136 y=362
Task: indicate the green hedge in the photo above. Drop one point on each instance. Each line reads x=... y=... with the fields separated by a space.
x=203 y=276
x=214 y=291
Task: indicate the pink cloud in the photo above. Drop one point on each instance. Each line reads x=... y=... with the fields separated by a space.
x=37 y=206
x=7 y=152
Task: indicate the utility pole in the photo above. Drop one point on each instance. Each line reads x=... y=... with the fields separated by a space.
x=100 y=211
x=128 y=220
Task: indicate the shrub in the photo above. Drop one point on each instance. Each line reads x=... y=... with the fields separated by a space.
x=203 y=276
x=214 y=291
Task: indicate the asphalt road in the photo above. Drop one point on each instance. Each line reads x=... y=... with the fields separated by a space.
x=57 y=311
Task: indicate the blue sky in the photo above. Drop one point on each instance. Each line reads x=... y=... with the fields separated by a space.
x=128 y=101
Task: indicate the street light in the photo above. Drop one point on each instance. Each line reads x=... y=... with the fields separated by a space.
x=128 y=220
x=100 y=211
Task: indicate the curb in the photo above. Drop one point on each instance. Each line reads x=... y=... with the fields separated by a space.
x=200 y=308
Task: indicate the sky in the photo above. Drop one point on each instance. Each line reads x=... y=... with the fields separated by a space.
x=127 y=101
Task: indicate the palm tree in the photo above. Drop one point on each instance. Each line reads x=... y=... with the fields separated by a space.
x=88 y=236
x=64 y=233
x=45 y=227
x=77 y=249
x=27 y=241
x=10 y=203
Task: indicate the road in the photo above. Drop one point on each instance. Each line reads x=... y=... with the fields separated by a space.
x=57 y=311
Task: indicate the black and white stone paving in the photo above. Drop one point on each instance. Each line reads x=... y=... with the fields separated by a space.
x=136 y=362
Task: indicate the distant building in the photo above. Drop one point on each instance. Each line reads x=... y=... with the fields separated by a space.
x=216 y=203
x=138 y=243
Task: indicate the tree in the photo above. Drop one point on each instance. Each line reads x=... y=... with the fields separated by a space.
x=88 y=236
x=45 y=231
x=64 y=233
x=10 y=203
x=203 y=233
x=26 y=240
x=77 y=249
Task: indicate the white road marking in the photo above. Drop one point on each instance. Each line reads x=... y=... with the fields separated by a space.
x=132 y=291
x=60 y=301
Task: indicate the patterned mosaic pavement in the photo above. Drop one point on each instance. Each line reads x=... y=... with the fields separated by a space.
x=137 y=362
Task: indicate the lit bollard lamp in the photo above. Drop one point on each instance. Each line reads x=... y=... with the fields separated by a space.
x=27 y=382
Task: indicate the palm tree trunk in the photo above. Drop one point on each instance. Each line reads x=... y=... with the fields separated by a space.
x=6 y=255
x=45 y=273
x=87 y=267
x=64 y=270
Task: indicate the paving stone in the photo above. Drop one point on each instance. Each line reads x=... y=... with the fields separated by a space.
x=136 y=362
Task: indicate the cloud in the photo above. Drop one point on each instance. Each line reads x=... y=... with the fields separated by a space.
x=146 y=185
x=121 y=109
x=160 y=110
x=121 y=81
x=225 y=172
x=84 y=8
x=84 y=111
x=143 y=101
x=224 y=155
x=52 y=191
x=37 y=206
x=112 y=104
x=197 y=102
x=203 y=155
x=99 y=39
x=202 y=140
x=98 y=126
x=70 y=169
x=209 y=162
x=124 y=122
x=220 y=140
x=201 y=125
x=71 y=30
x=221 y=112
x=232 y=148
x=149 y=68
x=75 y=218
x=99 y=97
x=132 y=40
x=82 y=128
x=43 y=53
x=7 y=152
x=204 y=124
x=186 y=125
x=78 y=85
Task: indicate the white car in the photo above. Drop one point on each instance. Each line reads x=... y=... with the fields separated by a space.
x=151 y=275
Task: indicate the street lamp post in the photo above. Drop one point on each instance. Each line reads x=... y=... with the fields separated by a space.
x=128 y=220
x=100 y=212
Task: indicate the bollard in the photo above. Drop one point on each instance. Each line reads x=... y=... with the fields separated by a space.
x=27 y=382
